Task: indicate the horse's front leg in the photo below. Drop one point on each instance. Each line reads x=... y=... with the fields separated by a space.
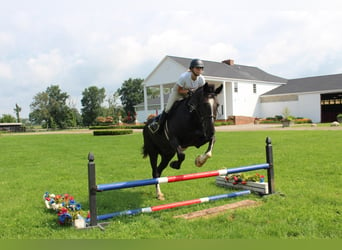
x=180 y=155
x=201 y=159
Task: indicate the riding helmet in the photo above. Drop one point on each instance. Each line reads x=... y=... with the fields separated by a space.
x=196 y=63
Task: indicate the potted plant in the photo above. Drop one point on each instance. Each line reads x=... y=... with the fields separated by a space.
x=339 y=118
x=287 y=118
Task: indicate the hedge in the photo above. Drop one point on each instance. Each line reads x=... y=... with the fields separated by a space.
x=141 y=126
x=223 y=123
x=113 y=132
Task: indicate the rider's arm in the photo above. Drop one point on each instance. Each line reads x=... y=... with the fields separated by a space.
x=182 y=91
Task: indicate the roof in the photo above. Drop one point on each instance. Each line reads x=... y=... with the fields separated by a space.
x=326 y=83
x=235 y=71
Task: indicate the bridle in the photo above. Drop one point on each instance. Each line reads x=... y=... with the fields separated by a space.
x=202 y=117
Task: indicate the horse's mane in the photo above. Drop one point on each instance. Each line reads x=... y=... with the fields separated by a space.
x=208 y=88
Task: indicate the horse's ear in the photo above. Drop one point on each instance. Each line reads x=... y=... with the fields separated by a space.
x=208 y=88
x=219 y=89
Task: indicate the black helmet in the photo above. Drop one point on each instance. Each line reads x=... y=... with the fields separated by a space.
x=196 y=63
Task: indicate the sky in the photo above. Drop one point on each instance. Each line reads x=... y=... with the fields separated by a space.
x=76 y=44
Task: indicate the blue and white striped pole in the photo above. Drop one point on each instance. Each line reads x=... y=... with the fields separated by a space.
x=171 y=205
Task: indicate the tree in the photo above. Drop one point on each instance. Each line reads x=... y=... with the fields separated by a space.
x=114 y=109
x=50 y=107
x=76 y=118
x=91 y=102
x=131 y=93
x=6 y=118
x=17 y=111
x=39 y=107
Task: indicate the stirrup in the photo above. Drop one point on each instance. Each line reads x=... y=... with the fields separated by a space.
x=153 y=127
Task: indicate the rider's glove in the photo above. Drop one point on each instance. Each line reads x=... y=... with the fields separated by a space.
x=190 y=92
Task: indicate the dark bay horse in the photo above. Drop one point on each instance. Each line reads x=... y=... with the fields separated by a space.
x=189 y=123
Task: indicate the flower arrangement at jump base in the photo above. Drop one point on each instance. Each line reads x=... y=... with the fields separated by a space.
x=242 y=178
x=69 y=212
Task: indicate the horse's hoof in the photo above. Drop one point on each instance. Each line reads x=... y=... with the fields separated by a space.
x=161 y=197
x=174 y=165
x=198 y=161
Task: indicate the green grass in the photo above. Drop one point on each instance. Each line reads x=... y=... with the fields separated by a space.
x=307 y=173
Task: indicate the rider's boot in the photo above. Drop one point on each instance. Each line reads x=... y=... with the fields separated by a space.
x=155 y=125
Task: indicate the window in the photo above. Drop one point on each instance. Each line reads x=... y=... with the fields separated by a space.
x=331 y=102
x=236 y=87
x=254 y=88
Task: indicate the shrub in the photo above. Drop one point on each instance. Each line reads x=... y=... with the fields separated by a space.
x=101 y=127
x=223 y=123
x=269 y=121
x=112 y=132
x=278 y=117
x=104 y=120
x=302 y=120
x=288 y=118
x=138 y=126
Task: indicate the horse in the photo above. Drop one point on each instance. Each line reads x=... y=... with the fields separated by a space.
x=190 y=122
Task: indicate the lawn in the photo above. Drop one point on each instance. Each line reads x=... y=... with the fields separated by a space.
x=308 y=177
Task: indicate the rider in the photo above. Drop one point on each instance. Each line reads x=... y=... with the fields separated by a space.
x=187 y=83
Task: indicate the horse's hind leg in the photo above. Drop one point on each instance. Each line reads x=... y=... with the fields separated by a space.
x=157 y=171
x=180 y=155
x=180 y=158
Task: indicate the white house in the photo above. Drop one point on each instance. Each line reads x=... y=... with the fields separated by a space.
x=242 y=86
x=249 y=91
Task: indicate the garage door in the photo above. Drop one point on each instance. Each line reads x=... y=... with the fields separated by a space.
x=331 y=106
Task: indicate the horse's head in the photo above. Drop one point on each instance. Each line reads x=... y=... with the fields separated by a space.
x=205 y=104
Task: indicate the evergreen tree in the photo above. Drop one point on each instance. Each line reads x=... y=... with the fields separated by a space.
x=92 y=100
x=131 y=93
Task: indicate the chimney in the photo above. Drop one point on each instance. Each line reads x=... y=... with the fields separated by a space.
x=229 y=62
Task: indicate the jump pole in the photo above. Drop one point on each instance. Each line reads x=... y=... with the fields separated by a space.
x=93 y=188
x=171 y=205
x=185 y=177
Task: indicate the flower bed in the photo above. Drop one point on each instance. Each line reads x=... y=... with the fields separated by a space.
x=68 y=211
x=241 y=181
x=277 y=120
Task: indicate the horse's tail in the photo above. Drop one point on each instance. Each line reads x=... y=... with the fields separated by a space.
x=144 y=151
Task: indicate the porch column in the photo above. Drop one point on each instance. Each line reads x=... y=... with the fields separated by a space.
x=145 y=100
x=224 y=101
x=161 y=88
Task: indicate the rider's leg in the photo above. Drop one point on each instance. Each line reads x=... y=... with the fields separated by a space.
x=158 y=123
x=162 y=119
x=155 y=125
